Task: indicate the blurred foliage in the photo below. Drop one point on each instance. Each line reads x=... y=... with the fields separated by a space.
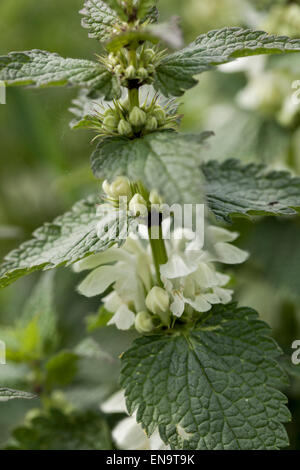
x=44 y=168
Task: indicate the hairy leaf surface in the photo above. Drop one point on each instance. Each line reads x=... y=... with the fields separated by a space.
x=212 y=387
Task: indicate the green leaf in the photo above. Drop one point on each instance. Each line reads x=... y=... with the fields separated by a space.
x=9 y=394
x=234 y=189
x=175 y=74
x=68 y=239
x=61 y=369
x=83 y=108
x=98 y=320
x=55 y=430
x=42 y=69
x=165 y=161
x=99 y=19
x=211 y=387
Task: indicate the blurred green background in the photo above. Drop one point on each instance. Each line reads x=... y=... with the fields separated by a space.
x=44 y=169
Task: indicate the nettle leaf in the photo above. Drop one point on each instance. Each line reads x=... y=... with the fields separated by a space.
x=61 y=369
x=55 y=430
x=99 y=19
x=175 y=74
x=9 y=394
x=42 y=69
x=211 y=387
x=235 y=189
x=67 y=239
x=166 y=161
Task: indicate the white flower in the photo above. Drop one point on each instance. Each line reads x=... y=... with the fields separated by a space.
x=128 y=434
x=190 y=276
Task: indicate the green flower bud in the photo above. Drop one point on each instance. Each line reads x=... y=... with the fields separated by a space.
x=119 y=187
x=155 y=198
x=138 y=206
x=142 y=73
x=149 y=55
x=130 y=72
x=111 y=122
x=157 y=301
x=112 y=59
x=160 y=115
x=150 y=69
x=143 y=322
x=151 y=124
x=124 y=128
x=137 y=117
x=109 y=112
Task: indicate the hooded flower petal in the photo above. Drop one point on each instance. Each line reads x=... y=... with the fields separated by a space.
x=123 y=318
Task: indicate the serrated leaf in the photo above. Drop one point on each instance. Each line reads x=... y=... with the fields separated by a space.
x=175 y=74
x=99 y=19
x=234 y=189
x=55 y=430
x=165 y=161
x=41 y=69
x=211 y=387
x=67 y=239
x=9 y=394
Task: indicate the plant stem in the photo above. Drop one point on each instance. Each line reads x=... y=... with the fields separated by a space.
x=133 y=96
x=159 y=252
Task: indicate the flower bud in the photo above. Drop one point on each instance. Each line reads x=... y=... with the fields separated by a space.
x=130 y=72
x=124 y=128
x=155 y=198
x=111 y=122
x=112 y=59
x=160 y=115
x=157 y=301
x=151 y=124
x=143 y=322
x=138 y=206
x=149 y=55
x=119 y=187
x=142 y=73
x=150 y=69
x=137 y=117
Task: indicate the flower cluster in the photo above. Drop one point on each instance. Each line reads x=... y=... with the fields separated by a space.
x=187 y=284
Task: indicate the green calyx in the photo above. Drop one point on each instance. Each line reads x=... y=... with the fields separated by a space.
x=131 y=119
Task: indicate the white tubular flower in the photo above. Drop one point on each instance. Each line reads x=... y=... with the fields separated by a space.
x=128 y=434
x=143 y=322
x=190 y=277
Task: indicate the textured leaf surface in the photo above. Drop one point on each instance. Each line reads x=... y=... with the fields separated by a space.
x=164 y=160
x=41 y=69
x=232 y=188
x=99 y=19
x=213 y=387
x=175 y=73
x=58 y=431
x=9 y=394
x=69 y=238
